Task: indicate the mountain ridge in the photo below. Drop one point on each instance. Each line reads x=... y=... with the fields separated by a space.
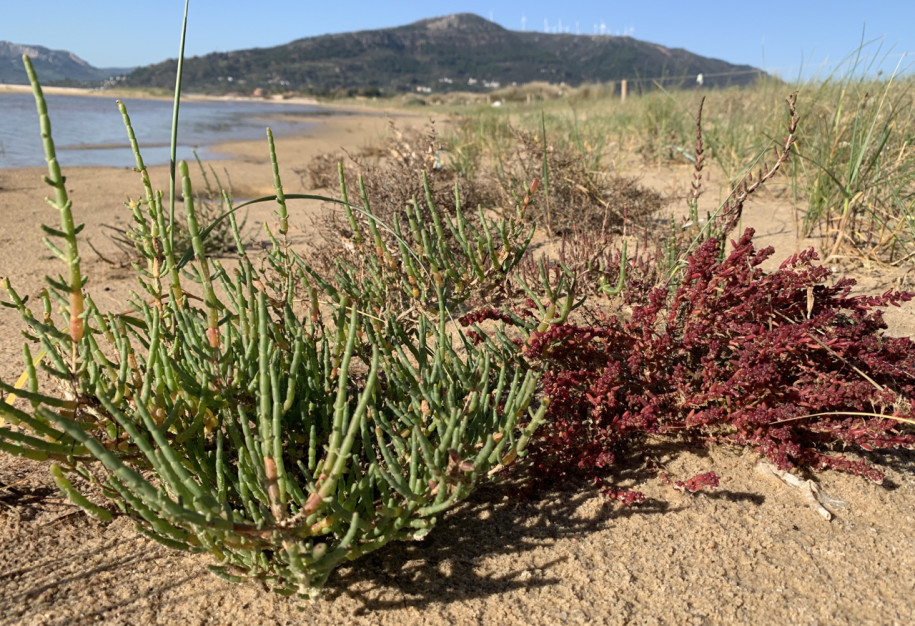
x=450 y=53
x=53 y=66
x=454 y=52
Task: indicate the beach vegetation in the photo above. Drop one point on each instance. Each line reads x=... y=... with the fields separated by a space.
x=498 y=300
x=283 y=435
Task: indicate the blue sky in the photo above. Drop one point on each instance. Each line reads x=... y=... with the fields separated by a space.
x=781 y=36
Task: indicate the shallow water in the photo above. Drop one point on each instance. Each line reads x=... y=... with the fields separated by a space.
x=90 y=130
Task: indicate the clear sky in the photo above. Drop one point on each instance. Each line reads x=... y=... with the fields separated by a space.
x=785 y=37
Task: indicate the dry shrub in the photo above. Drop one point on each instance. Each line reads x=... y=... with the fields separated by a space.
x=529 y=92
x=584 y=208
x=390 y=180
x=391 y=172
x=581 y=195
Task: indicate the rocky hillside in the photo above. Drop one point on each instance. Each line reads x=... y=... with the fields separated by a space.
x=457 y=52
x=54 y=67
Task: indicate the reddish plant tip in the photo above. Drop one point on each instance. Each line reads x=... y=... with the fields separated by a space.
x=625 y=496
x=270 y=468
x=76 y=315
x=481 y=315
x=708 y=480
x=213 y=337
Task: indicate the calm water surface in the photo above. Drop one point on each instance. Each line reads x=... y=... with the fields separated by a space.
x=90 y=130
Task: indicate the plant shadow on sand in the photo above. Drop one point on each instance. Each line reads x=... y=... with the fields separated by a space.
x=52 y=553
x=901 y=460
x=449 y=565
x=53 y=580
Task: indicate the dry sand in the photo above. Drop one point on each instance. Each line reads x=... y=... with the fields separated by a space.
x=749 y=552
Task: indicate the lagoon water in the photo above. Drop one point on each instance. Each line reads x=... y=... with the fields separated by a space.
x=89 y=130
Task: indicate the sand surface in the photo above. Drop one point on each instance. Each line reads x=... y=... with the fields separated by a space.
x=750 y=552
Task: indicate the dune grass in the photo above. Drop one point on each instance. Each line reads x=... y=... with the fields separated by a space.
x=853 y=181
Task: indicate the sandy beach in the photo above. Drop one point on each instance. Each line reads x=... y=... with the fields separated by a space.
x=141 y=93
x=751 y=551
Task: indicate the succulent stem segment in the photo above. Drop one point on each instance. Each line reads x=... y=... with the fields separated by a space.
x=68 y=229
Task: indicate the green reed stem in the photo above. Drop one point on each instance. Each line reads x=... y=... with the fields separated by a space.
x=173 y=158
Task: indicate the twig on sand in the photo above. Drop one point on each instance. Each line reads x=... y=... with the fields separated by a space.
x=821 y=502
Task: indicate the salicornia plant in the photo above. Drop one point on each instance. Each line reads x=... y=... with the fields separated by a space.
x=225 y=413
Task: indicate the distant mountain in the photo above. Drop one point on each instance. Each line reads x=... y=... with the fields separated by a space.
x=54 y=67
x=457 y=52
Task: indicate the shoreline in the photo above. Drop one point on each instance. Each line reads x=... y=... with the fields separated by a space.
x=242 y=159
x=151 y=95
x=345 y=129
x=314 y=121
x=141 y=94
x=148 y=94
